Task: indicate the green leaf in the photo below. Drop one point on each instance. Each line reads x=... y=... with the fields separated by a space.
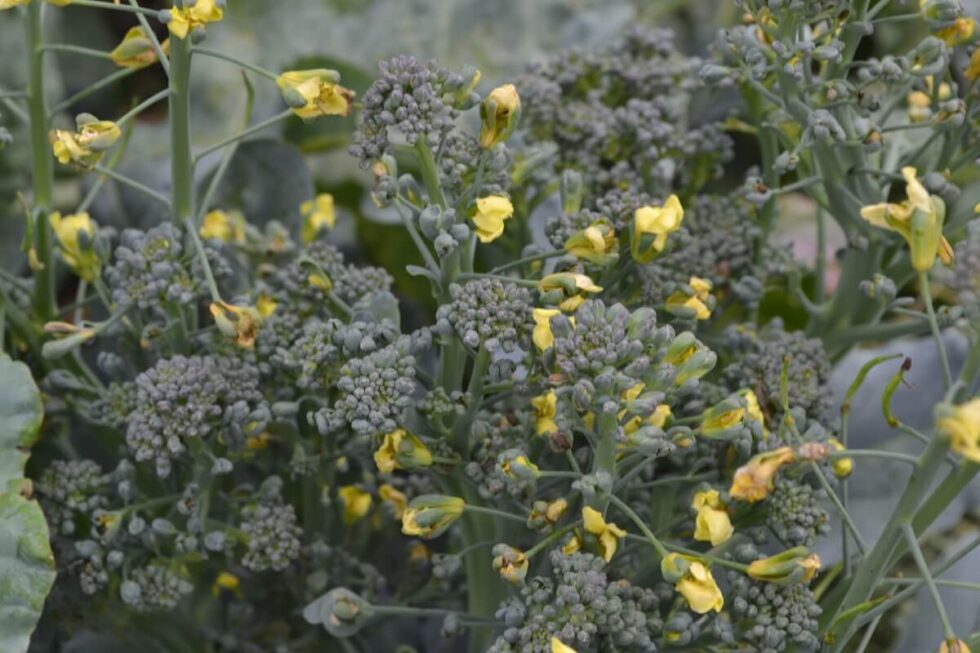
x=20 y=420
x=26 y=562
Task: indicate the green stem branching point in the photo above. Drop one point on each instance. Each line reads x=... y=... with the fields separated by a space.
x=142 y=106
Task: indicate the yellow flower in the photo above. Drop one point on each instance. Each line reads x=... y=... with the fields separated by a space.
x=961 y=425
x=265 y=305
x=546 y=406
x=510 y=563
x=518 y=466
x=712 y=523
x=608 y=534
x=754 y=480
x=85 y=146
x=10 y=4
x=180 y=21
x=225 y=582
x=226 y=226
x=919 y=219
x=691 y=304
x=320 y=280
x=753 y=410
x=136 y=50
x=401 y=450
x=357 y=503
x=238 y=322
x=318 y=214
x=568 y=288
x=596 y=243
x=651 y=227
x=954 y=645
x=694 y=581
x=720 y=419
x=842 y=466
x=972 y=71
x=558 y=647
x=75 y=234
x=314 y=93
x=961 y=31
x=499 y=114
x=491 y=212
x=257 y=442
x=542 y=335
x=787 y=568
x=394 y=498
x=657 y=418
x=429 y=515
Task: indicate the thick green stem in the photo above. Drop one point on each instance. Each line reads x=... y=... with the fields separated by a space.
x=43 y=166
x=182 y=160
x=604 y=459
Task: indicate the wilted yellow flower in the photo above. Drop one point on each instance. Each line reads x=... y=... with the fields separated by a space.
x=608 y=534
x=961 y=425
x=401 y=450
x=568 y=288
x=546 y=406
x=919 y=219
x=510 y=563
x=266 y=305
x=754 y=480
x=394 y=498
x=691 y=304
x=557 y=646
x=961 y=31
x=429 y=515
x=491 y=212
x=318 y=214
x=75 y=234
x=357 y=502
x=972 y=71
x=136 y=50
x=239 y=322
x=499 y=114
x=954 y=645
x=542 y=335
x=657 y=418
x=712 y=523
x=651 y=227
x=693 y=579
x=85 y=146
x=180 y=21
x=314 y=93
x=225 y=581
x=790 y=567
x=226 y=226
x=596 y=243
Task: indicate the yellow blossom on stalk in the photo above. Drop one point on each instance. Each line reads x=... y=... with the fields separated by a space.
x=401 y=450
x=546 y=406
x=722 y=417
x=557 y=646
x=266 y=305
x=357 y=502
x=225 y=582
x=491 y=213
x=961 y=31
x=972 y=71
x=238 y=322
x=919 y=106
x=518 y=467
x=685 y=304
x=394 y=498
x=181 y=20
x=961 y=426
x=318 y=214
x=314 y=93
x=555 y=510
x=226 y=226
x=136 y=50
x=754 y=480
x=75 y=234
x=429 y=515
x=320 y=280
x=693 y=579
x=919 y=219
x=542 y=336
x=790 y=567
x=608 y=534
x=657 y=418
x=499 y=114
x=596 y=243
x=652 y=225
x=568 y=287
x=954 y=646
x=85 y=146
x=510 y=563
x=712 y=523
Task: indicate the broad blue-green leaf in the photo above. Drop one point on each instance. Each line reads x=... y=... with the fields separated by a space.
x=26 y=562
